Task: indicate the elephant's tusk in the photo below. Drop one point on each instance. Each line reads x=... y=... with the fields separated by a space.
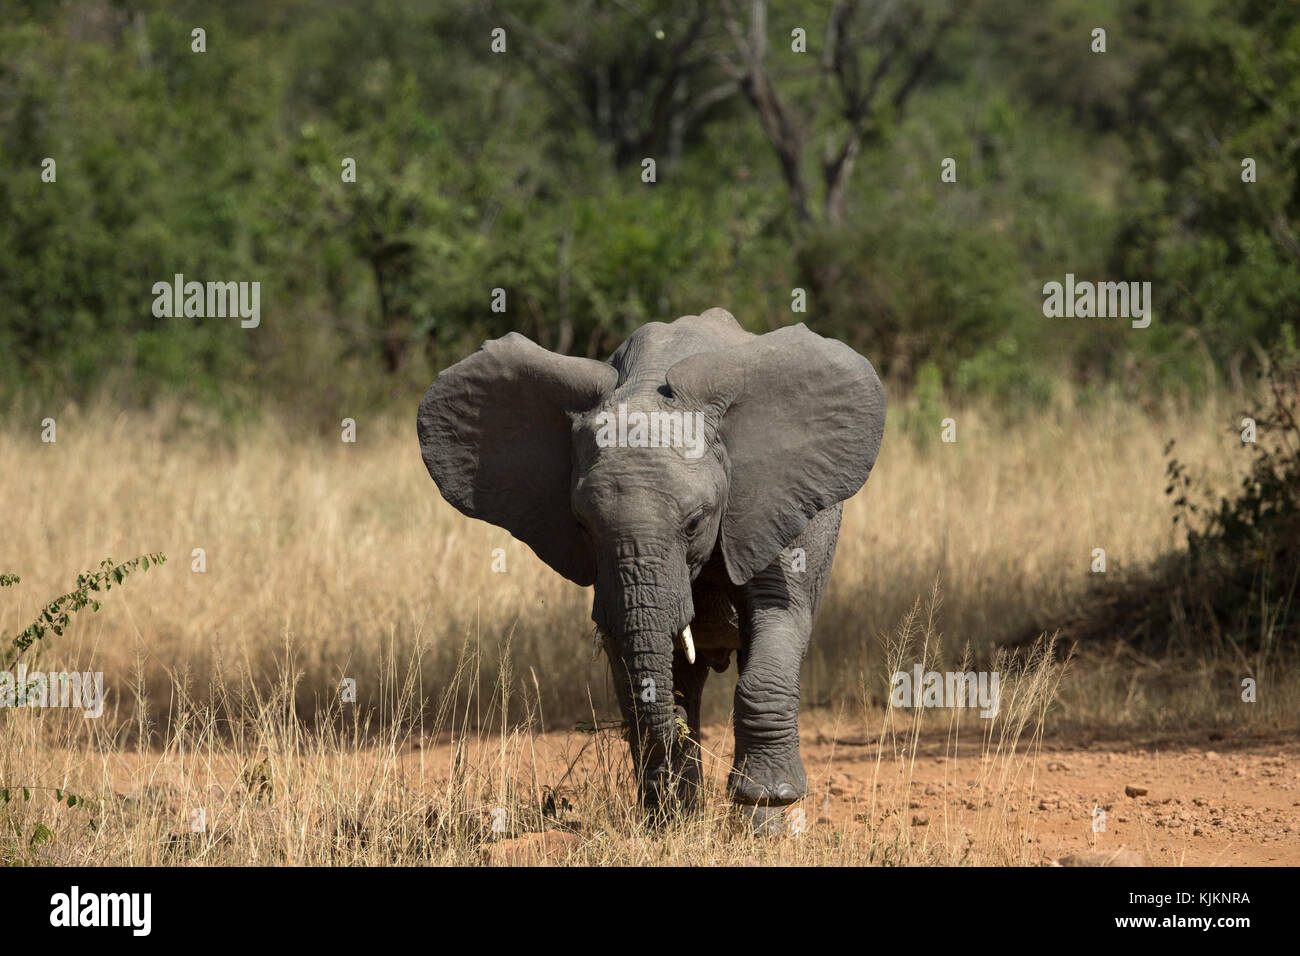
x=688 y=644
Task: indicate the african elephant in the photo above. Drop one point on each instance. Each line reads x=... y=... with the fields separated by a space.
x=697 y=480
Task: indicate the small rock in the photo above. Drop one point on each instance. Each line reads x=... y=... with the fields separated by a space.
x=1134 y=791
x=920 y=819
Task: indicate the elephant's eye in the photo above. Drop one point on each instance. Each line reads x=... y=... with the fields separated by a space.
x=694 y=521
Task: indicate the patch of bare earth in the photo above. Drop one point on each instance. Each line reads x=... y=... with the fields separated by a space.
x=1231 y=800
x=1208 y=799
x=1199 y=800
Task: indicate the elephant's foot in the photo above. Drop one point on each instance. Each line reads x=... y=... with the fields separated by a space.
x=763 y=791
x=767 y=779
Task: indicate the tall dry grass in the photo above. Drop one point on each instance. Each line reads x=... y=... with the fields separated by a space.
x=335 y=556
x=239 y=781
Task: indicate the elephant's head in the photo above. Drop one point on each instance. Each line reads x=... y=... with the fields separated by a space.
x=546 y=446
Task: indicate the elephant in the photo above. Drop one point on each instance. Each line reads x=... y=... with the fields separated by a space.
x=696 y=479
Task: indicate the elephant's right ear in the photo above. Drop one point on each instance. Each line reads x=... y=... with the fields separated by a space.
x=496 y=437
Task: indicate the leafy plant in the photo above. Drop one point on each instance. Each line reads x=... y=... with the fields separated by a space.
x=56 y=615
x=1263 y=514
x=1234 y=586
x=1243 y=552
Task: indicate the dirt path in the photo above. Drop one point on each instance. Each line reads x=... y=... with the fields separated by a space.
x=1175 y=801
x=1195 y=800
x=1217 y=799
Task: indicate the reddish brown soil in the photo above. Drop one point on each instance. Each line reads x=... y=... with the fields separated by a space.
x=1210 y=799
x=1209 y=802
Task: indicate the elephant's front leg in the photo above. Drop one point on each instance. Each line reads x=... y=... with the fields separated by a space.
x=767 y=771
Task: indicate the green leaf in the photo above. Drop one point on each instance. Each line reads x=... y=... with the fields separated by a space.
x=40 y=834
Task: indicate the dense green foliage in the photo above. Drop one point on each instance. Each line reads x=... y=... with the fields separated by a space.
x=523 y=171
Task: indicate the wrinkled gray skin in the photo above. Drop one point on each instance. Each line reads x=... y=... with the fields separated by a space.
x=793 y=425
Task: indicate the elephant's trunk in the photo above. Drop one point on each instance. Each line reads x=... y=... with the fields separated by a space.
x=641 y=636
x=648 y=661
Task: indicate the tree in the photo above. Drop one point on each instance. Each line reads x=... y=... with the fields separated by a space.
x=865 y=78
x=1213 y=199
x=642 y=77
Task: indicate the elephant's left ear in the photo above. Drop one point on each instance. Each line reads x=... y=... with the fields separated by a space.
x=801 y=417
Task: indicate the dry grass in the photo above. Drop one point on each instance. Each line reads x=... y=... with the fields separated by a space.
x=272 y=791
x=328 y=560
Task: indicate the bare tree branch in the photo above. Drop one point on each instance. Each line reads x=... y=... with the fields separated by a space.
x=783 y=132
x=893 y=25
